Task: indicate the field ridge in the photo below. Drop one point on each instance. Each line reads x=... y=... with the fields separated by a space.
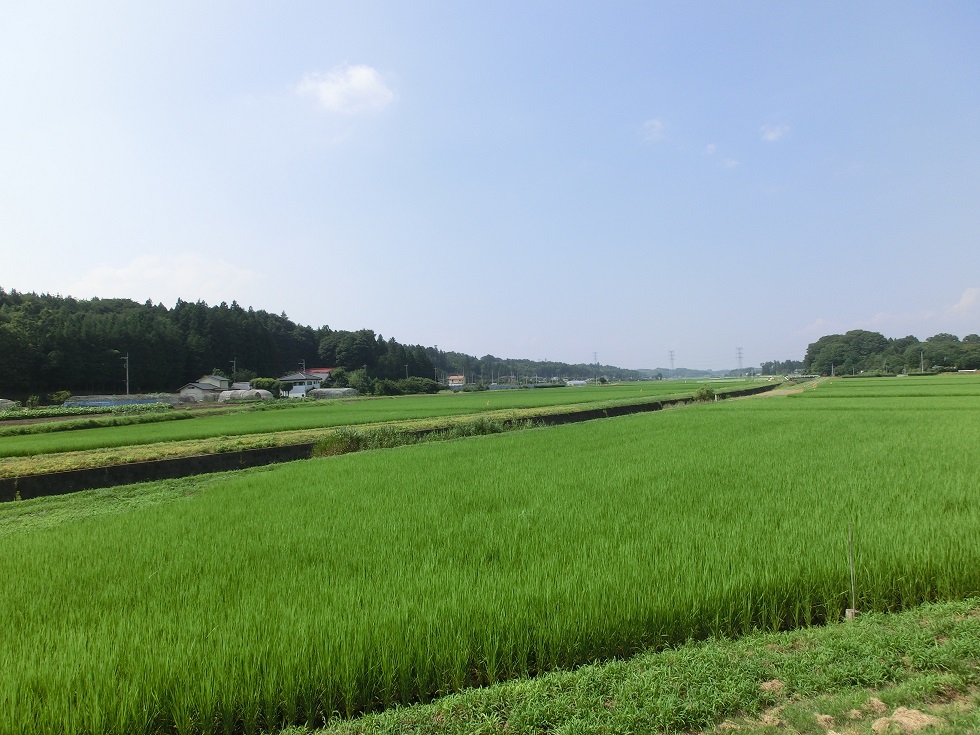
x=879 y=672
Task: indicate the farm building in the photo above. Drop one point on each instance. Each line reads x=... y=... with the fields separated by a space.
x=456 y=381
x=207 y=388
x=296 y=385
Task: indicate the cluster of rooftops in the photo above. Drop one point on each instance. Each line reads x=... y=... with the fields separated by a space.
x=294 y=385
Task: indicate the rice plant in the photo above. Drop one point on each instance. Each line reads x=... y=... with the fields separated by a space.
x=350 y=583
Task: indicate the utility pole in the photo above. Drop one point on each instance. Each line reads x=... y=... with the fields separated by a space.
x=922 y=361
x=126 y=359
x=302 y=364
x=234 y=368
x=595 y=359
x=406 y=372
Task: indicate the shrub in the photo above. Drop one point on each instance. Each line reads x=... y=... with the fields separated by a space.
x=704 y=393
x=386 y=387
x=59 y=396
x=416 y=384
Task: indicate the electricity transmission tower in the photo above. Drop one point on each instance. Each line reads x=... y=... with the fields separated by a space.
x=738 y=356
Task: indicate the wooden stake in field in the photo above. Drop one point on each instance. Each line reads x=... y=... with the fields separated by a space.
x=852 y=611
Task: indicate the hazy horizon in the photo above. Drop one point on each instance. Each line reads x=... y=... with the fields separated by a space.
x=541 y=181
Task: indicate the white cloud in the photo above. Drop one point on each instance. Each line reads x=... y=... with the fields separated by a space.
x=817 y=328
x=959 y=319
x=772 y=133
x=709 y=150
x=968 y=302
x=730 y=163
x=347 y=90
x=654 y=129
x=165 y=278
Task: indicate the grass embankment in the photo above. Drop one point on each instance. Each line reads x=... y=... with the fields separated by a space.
x=895 y=673
x=259 y=599
x=99 y=446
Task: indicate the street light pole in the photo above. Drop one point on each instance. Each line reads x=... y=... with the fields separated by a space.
x=126 y=359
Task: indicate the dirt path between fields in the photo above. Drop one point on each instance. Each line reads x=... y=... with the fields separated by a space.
x=782 y=392
x=790 y=391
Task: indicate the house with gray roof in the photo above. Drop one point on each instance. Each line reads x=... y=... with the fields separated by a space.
x=296 y=385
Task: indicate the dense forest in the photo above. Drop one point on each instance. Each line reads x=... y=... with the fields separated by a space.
x=54 y=343
x=859 y=351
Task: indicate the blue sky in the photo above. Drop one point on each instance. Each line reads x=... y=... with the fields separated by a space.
x=541 y=180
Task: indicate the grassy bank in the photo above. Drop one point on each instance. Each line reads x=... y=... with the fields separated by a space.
x=882 y=673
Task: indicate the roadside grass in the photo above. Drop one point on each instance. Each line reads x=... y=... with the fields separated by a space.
x=853 y=678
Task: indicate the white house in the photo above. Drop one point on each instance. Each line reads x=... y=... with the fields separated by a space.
x=296 y=385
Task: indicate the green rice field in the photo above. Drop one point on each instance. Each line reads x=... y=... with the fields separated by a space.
x=319 y=414
x=294 y=594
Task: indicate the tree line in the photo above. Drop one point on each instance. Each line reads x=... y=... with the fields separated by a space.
x=53 y=343
x=860 y=351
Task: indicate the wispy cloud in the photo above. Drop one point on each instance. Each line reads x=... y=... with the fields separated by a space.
x=723 y=161
x=347 y=90
x=817 y=328
x=960 y=318
x=165 y=278
x=654 y=129
x=772 y=133
x=968 y=303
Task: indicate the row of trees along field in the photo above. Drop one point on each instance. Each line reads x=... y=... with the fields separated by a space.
x=54 y=343
x=861 y=351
